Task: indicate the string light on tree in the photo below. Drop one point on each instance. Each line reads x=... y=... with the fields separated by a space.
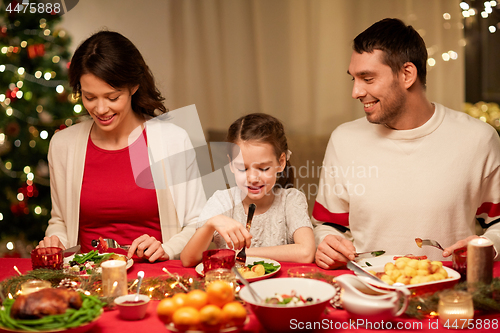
x=34 y=54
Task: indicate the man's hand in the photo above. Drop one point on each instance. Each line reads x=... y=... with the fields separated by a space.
x=52 y=241
x=147 y=247
x=334 y=251
x=461 y=243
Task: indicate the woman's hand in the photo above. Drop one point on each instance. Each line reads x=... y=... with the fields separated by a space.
x=233 y=232
x=147 y=247
x=51 y=241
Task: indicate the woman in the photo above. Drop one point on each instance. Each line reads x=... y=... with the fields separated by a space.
x=96 y=189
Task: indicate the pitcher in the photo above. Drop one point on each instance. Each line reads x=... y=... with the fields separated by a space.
x=364 y=301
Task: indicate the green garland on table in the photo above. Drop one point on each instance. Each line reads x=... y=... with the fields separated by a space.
x=486 y=297
x=13 y=285
x=155 y=287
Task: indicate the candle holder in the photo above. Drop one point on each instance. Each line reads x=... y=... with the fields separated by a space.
x=32 y=286
x=47 y=257
x=114 y=278
x=459 y=260
x=221 y=258
x=302 y=272
x=455 y=307
x=222 y=274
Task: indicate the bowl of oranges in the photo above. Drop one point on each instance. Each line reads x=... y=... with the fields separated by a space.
x=210 y=310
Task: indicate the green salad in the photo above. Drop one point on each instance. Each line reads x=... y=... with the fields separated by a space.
x=268 y=267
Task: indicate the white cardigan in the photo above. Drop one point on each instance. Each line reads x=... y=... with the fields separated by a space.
x=171 y=157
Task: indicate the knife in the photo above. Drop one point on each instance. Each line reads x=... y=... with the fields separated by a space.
x=71 y=251
x=360 y=271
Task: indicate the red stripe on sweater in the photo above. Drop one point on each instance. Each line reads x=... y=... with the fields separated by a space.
x=322 y=214
x=487 y=207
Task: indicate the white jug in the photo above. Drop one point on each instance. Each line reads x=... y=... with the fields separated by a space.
x=364 y=301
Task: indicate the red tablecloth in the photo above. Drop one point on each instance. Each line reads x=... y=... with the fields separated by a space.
x=338 y=319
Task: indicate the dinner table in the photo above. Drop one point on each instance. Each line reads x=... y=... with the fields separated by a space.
x=332 y=320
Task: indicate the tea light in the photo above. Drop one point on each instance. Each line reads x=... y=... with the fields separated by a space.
x=114 y=278
x=459 y=260
x=220 y=258
x=31 y=286
x=302 y=272
x=455 y=305
x=480 y=254
x=47 y=257
x=222 y=274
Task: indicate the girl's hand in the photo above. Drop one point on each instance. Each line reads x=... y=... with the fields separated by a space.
x=147 y=247
x=52 y=241
x=233 y=232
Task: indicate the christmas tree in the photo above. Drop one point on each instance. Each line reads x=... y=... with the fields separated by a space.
x=36 y=101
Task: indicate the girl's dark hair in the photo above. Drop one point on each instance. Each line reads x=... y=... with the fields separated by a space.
x=399 y=42
x=264 y=128
x=114 y=59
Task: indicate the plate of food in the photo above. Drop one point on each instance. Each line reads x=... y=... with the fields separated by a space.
x=50 y=310
x=417 y=273
x=256 y=269
x=87 y=263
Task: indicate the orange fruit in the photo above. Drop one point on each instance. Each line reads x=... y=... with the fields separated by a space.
x=219 y=293
x=196 y=298
x=234 y=314
x=166 y=309
x=186 y=318
x=210 y=316
x=179 y=299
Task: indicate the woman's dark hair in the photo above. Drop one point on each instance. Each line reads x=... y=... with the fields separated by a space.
x=399 y=42
x=114 y=59
x=264 y=128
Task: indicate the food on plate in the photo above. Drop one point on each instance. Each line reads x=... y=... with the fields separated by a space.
x=102 y=245
x=86 y=263
x=409 y=271
x=410 y=256
x=258 y=268
x=116 y=256
x=48 y=310
x=419 y=242
x=289 y=300
x=45 y=302
x=208 y=310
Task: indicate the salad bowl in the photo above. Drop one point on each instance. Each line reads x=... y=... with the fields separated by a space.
x=288 y=317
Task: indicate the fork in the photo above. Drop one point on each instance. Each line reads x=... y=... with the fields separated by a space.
x=428 y=242
x=111 y=244
x=241 y=257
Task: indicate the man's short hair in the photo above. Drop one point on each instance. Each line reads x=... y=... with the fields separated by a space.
x=399 y=42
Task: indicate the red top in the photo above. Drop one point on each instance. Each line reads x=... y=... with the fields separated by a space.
x=112 y=205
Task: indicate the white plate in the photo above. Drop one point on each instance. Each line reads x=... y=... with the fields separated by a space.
x=130 y=262
x=378 y=263
x=250 y=261
x=369 y=262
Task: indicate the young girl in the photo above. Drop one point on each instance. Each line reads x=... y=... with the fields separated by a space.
x=281 y=228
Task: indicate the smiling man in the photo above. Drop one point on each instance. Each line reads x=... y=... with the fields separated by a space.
x=410 y=168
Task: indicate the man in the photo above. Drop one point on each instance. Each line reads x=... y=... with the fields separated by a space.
x=411 y=168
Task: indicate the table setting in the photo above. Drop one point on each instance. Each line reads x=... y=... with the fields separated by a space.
x=295 y=297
